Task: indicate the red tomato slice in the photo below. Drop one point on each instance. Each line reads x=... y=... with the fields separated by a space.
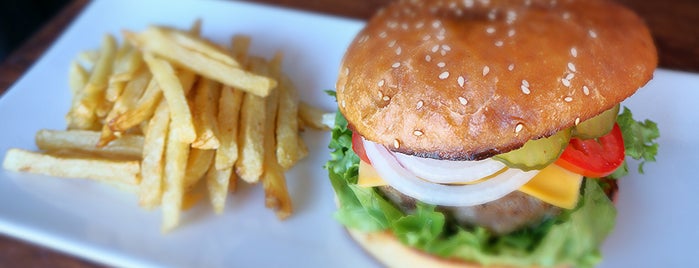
x=594 y=158
x=358 y=147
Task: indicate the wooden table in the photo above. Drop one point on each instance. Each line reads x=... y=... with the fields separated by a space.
x=673 y=23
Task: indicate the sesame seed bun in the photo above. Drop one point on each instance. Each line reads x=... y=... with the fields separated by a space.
x=465 y=80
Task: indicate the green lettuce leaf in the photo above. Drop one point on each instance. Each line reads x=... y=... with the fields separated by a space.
x=639 y=141
x=571 y=239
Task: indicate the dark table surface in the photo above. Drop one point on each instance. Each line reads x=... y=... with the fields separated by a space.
x=672 y=22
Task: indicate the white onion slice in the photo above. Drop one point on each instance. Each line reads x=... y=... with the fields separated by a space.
x=445 y=171
x=439 y=194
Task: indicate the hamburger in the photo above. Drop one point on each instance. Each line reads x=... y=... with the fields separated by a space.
x=488 y=132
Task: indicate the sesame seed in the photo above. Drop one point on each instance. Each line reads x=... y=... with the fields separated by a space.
x=574 y=52
x=511 y=66
x=343 y=103
x=577 y=121
x=498 y=43
x=443 y=52
x=396 y=65
x=525 y=89
x=511 y=33
x=592 y=33
x=571 y=67
x=491 y=14
x=444 y=75
x=398 y=51
x=461 y=81
x=441 y=64
x=440 y=37
x=383 y=34
x=417 y=133
x=511 y=16
x=570 y=77
x=386 y=98
x=490 y=30
x=428 y=58
x=436 y=24
x=381 y=82
x=586 y=90
x=525 y=83
x=568 y=99
x=486 y=70
x=419 y=104
x=565 y=82
x=518 y=127
x=346 y=71
x=566 y=15
x=468 y=3
x=435 y=48
x=380 y=94
x=446 y=47
x=392 y=43
x=426 y=37
x=396 y=143
x=404 y=26
x=463 y=101
x=419 y=25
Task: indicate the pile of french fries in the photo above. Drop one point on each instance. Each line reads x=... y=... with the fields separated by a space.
x=174 y=118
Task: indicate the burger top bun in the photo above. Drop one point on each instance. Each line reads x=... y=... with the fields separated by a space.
x=468 y=79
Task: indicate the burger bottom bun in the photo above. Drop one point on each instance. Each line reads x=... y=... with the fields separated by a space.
x=390 y=252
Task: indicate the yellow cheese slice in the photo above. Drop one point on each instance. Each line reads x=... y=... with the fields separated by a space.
x=554 y=185
x=368 y=177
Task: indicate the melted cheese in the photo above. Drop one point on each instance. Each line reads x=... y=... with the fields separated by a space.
x=554 y=185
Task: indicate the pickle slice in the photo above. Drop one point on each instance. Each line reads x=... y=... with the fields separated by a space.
x=537 y=154
x=597 y=126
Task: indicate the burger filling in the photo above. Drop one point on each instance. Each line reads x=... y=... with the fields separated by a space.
x=545 y=216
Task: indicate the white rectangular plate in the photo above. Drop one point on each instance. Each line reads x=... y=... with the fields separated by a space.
x=657 y=216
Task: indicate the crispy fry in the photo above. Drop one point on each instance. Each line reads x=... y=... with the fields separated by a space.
x=240 y=45
x=204 y=114
x=290 y=147
x=173 y=91
x=276 y=194
x=150 y=191
x=313 y=117
x=77 y=77
x=228 y=116
x=126 y=101
x=198 y=163
x=155 y=42
x=176 y=154
x=217 y=183
x=118 y=171
x=128 y=146
x=125 y=69
x=83 y=113
x=196 y=44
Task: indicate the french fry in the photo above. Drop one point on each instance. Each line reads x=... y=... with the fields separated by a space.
x=88 y=58
x=118 y=171
x=154 y=41
x=173 y=91
x=125 y=68
x=313 y=117
x=217 y=183
x=229 y=110
x=83 y=113
x=199 y=45
x=176 y=154
x=290 y=147
x=250 y=138
x=204 y=114
x=77 y=77
x=127 y=147
x=150 y=190
x=273 y=181
x=198 y=163
x=228 y=116
x=125 y=102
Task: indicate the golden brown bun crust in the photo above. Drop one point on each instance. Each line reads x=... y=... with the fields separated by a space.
x=454 y=82
x=390 y=252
